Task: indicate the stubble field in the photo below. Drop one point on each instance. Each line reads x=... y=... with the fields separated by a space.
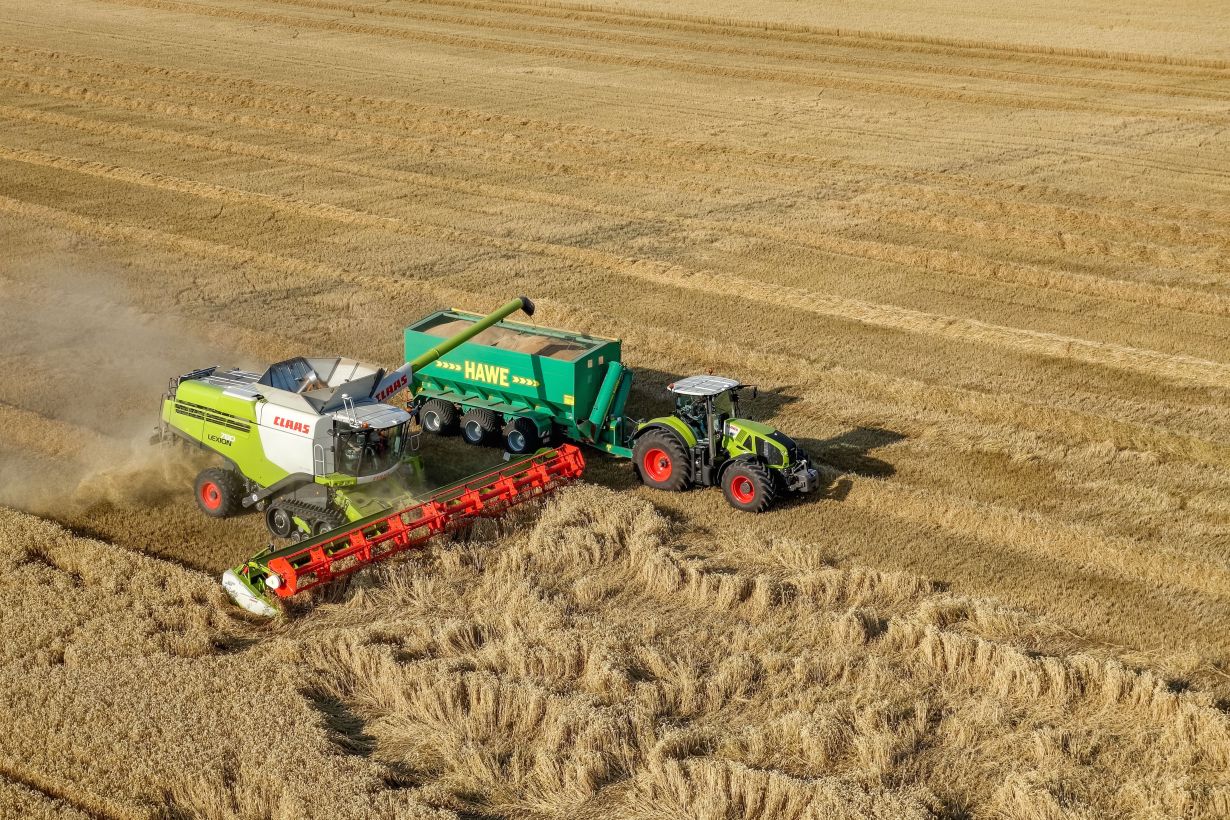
x=975 y=259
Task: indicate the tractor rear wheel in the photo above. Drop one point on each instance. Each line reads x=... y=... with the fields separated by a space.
x=521 y=436
x=479 y=426
x=439 y=417
x=662 y=461
x=749 y=486
x=219 y=492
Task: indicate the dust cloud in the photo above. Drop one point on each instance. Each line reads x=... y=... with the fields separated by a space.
x=82 y=374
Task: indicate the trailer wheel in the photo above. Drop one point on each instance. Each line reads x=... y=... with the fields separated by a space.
x=279 y=521
x=439 y=417
x=479 y=426
x=662 y=461
x=218 y=492
x=521 y=436
x=748 y=486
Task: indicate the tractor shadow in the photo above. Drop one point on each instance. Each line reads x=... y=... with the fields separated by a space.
x=849 y=454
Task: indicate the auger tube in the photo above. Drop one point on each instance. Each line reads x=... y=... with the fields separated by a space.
x=499 y=315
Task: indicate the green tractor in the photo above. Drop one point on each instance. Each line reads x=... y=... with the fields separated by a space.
x=705 y=443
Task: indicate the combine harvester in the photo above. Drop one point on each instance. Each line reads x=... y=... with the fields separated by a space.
x=312 y=444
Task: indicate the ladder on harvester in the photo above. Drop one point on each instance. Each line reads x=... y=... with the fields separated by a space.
x=319 y=560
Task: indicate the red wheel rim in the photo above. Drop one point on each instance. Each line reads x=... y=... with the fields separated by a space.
x=211 y=496
x=657 y=465
x=743 y=489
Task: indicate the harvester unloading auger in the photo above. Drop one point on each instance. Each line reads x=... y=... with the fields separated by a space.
x=312 y=444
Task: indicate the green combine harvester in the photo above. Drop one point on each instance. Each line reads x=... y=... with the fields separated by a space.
x=521 y=386
x=312 y=444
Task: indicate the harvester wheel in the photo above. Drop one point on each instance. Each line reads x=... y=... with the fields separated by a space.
x=749 y=486
x=218 y=492
x=479 y=425
x=521 y=436
x=662 y=461
x=439 y=417
x=279 y=521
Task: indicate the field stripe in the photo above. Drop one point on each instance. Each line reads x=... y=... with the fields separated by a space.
x=778 y=31
x=683 y=148
x=909 y=90
x=815 y=56
x=954 y=263
x=1032 y=342
x=1028 y=342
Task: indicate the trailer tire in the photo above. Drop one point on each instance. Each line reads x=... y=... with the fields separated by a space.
x=748 y=486
x=479 y=426
x=219 y=492
x=521 y=436
x=662 y=461
x=439 y=417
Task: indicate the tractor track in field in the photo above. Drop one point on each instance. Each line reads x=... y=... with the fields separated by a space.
x=946 y=262
x=796 y=78
x=1147 y=253
x=1081 y=217
x=777 y=32
x=1162 y=365
x=813 y=56
x=1067 y=424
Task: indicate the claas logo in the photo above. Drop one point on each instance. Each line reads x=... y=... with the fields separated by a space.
x=289 y=424
x=392 y=388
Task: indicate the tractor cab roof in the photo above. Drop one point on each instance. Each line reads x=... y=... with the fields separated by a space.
x=703 y=385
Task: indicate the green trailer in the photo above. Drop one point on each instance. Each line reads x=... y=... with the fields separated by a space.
x=523 y=386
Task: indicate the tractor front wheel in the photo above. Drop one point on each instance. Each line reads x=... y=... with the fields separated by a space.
x=749 y=486
x=219 y=492
x=662 y=461
x=439 y=417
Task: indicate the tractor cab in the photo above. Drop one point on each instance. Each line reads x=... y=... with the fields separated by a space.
x=706 y=403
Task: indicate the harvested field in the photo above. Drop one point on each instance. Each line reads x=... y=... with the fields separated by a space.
x=974 y=257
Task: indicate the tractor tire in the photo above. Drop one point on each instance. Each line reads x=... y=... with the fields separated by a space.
x=439 y=417
x=219 y=492
x=279 y=521
x=749 y=486
x=521 y=436
x=662 y=461
x=479 y=426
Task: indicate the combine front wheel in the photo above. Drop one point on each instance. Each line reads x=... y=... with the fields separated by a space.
x=218 y=492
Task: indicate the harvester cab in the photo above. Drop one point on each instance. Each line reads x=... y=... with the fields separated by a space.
x=706 y=443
